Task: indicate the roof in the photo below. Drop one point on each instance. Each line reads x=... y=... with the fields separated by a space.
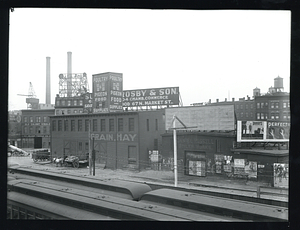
x=266 y=152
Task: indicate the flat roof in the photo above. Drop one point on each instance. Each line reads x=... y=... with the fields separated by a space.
x=266 y=152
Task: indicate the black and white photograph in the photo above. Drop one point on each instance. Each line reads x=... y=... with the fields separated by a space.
x=148 y=115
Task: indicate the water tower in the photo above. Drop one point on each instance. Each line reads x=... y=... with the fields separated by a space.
x=278 y=84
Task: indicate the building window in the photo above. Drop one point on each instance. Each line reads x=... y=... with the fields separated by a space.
x=242 y=114
x=251 y=106
x=156 y=124
x=59 y=125
x=120 y=124
x=258 y=116
x=277 y=105
x=72 y=125
x=31 y=119
x=66 y=125
x=25 y=119
x=87 y=124
x=75 y=102
x=266 y=104
x=69 y=111
x=251 y=114
x=54 y=125
x=246 y=114
x=131 y=124
x=262 y=105
x=95 y=127
x=284 y=105
x=258 y=105
x=63 y=102
x=103 y=128
x=44 y=129
x=237 y=106
x=80 y=111
x=44 y=119
x=111 y=125
x=75 y=111
x=288 y=115
x=272 y=105
x=288 y=105
x=25 y=129
x=147 y=124
x=246 y=106
x=80 y=146
x=57 y=102
x=86 y=146
x=241 y=106
x=30 y=129
x=79 y=125
x=272 y=116
x=80 y=102
x=262 y=116
x=277 y=116
x=69 y=103
x=37 y=119
x=266 y=116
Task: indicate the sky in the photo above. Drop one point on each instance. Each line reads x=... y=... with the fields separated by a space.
x=208 y=54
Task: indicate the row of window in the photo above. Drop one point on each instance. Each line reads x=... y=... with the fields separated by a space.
x=273 y=116
x=273 y=105
x=83 y=125
x=241 y=106
x=39 y=119
x=36 y=130
x=240 y=115
x=69 y=102
x=68 y=111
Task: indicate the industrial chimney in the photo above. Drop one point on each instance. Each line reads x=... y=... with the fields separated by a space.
x=48 y=88
x=69 y=75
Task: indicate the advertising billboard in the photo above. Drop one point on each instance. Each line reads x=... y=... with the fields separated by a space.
x=219 y=117
x=87 y=103
x=263 y=131
x=107 y=92
x=281 y=175
x=151 y=97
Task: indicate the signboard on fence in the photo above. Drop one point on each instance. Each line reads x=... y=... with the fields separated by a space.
x=151 y=97
x=281 y=175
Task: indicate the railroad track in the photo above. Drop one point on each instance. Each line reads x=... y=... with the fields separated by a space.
x=119 y=200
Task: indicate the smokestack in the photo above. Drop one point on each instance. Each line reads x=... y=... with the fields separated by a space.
x=69 y=75
x=48 y=88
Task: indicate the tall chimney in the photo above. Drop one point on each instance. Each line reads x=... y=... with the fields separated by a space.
x=48 y=88
x=69 y=75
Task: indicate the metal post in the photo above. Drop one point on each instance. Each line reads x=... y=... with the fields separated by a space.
x=90 y=150
x=175 y=151
x=93 y=156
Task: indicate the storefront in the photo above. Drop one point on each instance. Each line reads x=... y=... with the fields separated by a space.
x=198 y=153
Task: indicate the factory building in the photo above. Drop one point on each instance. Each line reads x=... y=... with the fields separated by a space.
x=120 y=139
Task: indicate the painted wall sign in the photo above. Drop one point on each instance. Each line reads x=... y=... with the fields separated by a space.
x=127 y=137
x=107 y=92
x=151 y=97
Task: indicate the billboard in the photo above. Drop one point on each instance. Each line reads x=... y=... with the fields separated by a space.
x=281 y=175
x=107 y=92
x=87 y=103
x=151 y=97
x=263 y=131
x=219 y=117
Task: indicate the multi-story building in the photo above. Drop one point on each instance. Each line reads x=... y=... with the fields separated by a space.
x=68 y=105
x=120 y=139
x=35 y=126
x=14 y=128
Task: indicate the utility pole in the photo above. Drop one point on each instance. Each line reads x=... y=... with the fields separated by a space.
x=175 y=145
x=90 y=149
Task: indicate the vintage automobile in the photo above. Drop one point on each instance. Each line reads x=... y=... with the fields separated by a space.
x=70 y=161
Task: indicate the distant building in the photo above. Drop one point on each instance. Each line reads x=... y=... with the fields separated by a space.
x=35 y=126
x=14 y=127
